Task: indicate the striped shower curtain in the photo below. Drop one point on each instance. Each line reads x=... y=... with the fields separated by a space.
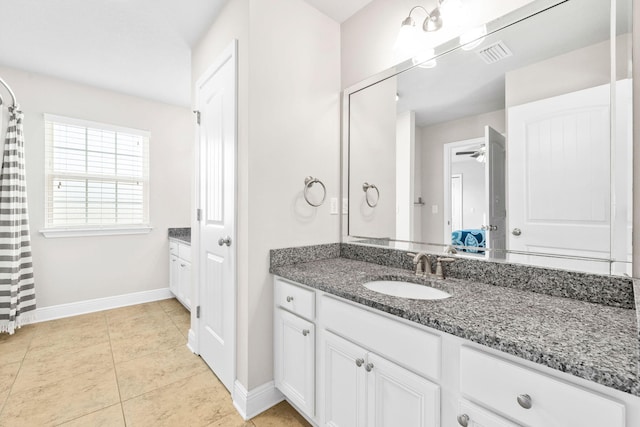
x=17 y=293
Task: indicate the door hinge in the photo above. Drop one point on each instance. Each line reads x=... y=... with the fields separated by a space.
x=199 y=214
x=197 y=116
x=197 y=312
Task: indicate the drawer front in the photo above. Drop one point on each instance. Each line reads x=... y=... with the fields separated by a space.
x=404 y=344
x=475 y=416
x=296 y=299
x=173 y=248
x=184 y=252
x=504 y=386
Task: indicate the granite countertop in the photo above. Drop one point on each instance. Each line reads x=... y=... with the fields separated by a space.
x=591 y=341
x=182 y=234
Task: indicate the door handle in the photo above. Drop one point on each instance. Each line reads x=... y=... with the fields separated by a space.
x=224 y=241
x=516 y=232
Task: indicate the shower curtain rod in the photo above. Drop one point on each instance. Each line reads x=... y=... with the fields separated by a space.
x=13 y=95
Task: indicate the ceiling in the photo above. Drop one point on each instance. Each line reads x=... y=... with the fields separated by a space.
x=137 y=47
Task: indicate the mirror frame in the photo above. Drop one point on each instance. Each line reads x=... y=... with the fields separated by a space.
x=493 y=26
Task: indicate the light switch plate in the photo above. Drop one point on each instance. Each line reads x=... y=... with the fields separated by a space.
x=334 y=206
x=434 y=209
x=345 y=206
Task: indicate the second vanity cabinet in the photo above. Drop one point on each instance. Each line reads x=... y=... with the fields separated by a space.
x=180 y=271
x=343 y=364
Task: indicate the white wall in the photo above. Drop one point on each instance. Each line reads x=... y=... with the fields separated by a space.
x=289 y=112
x=82 y=268
x=433 y=139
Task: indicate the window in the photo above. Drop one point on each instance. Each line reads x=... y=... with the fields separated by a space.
x=97 y=178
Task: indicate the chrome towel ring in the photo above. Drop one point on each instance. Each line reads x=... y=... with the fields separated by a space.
x=366 y=187
x=308 y=183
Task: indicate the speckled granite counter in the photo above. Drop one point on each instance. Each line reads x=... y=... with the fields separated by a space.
x=182 y=234
x=592 y=341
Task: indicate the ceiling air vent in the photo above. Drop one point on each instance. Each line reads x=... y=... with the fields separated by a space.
x=494 y=53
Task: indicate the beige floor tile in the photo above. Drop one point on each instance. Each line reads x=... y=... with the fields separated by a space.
x=8 y=374
x=181 y=317
x=140 y=343
x=57 y=367
x=84 y=321
x=170 y=304
x=141 y=375
x=232 y=420
x=133 y=312
x=107 y=417
x=61 y=401
x=124 y=327
x=14 y=347
x=196 y=401
x=67 y=339
x=281 y=415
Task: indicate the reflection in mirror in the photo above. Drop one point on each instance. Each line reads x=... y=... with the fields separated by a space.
x=517 y=148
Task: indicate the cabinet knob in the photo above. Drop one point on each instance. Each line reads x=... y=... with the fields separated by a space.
x=289 y=299
x=182 y=265
x=516 y=232
x=463 y=420
x=524 y=400
x=305 y=332
x=369 y=367
x=359 y=362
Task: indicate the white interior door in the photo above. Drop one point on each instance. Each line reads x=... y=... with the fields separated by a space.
x=456 y=202
x=495 y=193
x=559 y=178
x=216 y=274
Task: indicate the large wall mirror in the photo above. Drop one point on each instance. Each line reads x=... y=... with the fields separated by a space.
x=518 y=147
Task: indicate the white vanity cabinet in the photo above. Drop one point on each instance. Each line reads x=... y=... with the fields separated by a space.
x=347 y=365
x=364 y=389
x=361 y=385
x=294 y=345
x=532 y=398
x=180 y=271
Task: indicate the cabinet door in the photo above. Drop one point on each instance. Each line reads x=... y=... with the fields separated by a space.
x=294 y=340
x=397 y=397
x=174 y=271
x=344 y=383
x=471 y=415
x=184 y=281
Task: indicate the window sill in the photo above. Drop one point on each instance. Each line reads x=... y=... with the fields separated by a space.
x=93 y=231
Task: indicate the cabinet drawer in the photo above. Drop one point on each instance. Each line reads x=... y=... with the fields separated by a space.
x=184 y=252
x=404 y=344
x=296 y=299
x=479 y=417
x=173 y=248
x=499 y=385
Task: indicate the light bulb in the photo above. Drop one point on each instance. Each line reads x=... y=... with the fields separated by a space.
x=425 y=59
x=473 y=37
x=407 y=41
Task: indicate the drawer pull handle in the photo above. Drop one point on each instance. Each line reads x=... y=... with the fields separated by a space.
x=524 y=400
x=463 y=420
x=305 y=332
x=369 y=367
x=289 y=299
x=359 y=362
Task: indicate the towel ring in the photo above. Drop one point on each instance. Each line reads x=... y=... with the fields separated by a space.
x=366 y=187
x=308 y=183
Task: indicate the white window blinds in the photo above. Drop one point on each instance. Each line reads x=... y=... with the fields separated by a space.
x=97 y=175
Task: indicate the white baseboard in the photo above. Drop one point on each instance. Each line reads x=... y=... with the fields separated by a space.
x=90 y=306
x=252 y=403
x=191 y=341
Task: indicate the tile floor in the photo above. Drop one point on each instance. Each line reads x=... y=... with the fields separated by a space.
x=122 y=367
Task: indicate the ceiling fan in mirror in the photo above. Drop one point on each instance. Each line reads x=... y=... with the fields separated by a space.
x=478 y=154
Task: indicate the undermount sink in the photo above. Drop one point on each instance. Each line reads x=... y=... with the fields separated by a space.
x=406 y=290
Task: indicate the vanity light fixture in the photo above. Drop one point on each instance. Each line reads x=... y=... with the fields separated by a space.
x=411 y=40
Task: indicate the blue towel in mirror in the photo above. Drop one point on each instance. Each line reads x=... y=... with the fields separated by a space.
x=469 y=237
